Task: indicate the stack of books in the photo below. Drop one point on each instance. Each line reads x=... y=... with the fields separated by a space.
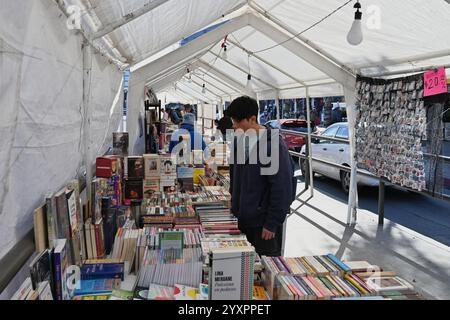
x=217 y=219
x=170 y=267
x=326 y=277
x=125 y=244
x=208 y=244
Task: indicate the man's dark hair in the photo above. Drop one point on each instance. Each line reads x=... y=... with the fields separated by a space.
x=243 y=108
x=188 y=107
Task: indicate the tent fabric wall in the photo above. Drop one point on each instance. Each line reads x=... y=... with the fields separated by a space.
x=41 y=101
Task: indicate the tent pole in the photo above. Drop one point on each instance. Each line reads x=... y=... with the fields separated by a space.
x=310 y=167
x=87 y=114
x=350 y=100
x=277 y=105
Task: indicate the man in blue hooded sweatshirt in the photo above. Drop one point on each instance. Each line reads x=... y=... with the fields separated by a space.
x=261 y=199
x=188 y=127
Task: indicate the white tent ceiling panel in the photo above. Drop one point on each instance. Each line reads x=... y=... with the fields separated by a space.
x=224 y=67
x=406 y=28
x=239 y=74
x=161 y=27
x=257 y=68
x=285 y=60
x=194 y=92
x=171 y=96
x=225 y=88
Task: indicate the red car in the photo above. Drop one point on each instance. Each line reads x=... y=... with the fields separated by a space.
x=294 y=142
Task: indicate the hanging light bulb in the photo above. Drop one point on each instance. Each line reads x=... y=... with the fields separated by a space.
x=224 y=49
x=249 y=85
x=204 y=89
x=189 y=76
x=224 y=52
x=355 y=35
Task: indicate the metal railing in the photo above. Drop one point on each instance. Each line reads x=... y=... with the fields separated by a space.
x=382 y=181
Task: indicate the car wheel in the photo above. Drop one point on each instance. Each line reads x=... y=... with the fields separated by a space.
x=345 y=181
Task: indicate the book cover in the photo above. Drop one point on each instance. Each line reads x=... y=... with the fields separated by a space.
x=168 y=165
x=152 y=166
x=134 y=190
x=134 y=168
x=106 y=167
x=231 y=273
x=119 y=294
x=40 y=269
x=121 y=143
x=60 y=261
x=96 y=286
x=102 y=271
x=151 y=186
x=73 y=209
x=159 y=292
x=197 y=173
x=182 y=292
x=386 y=284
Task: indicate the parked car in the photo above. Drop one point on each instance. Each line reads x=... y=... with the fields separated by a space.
x=334 y=152
x=294 y=142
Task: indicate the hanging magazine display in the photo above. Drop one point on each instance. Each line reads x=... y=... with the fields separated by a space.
x=390 y=127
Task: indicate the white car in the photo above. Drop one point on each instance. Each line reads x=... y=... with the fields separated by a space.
x=334 y=152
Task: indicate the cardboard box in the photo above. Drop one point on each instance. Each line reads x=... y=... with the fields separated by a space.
x=106 y=167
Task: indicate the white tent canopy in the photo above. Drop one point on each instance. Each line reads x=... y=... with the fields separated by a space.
x=60 y=104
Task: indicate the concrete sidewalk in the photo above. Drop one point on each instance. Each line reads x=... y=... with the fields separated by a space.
x=319 y=227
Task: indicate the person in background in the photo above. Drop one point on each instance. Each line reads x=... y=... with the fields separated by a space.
x=263 y=118
x=188 y=127
x=188 y=108
x=224 y=124
x=166 y=115
x=336 y=114
x=260 y=202
x=175 y=116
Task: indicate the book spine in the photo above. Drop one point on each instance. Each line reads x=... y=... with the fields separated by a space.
x=339 y=263
x=98 y=241
x=308 y=267
x=51 y=222
x=309 y=291
x=58 y=276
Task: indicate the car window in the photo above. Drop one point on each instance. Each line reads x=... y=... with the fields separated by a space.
x=342 y=133
x=274 y=124
x=330 y=132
